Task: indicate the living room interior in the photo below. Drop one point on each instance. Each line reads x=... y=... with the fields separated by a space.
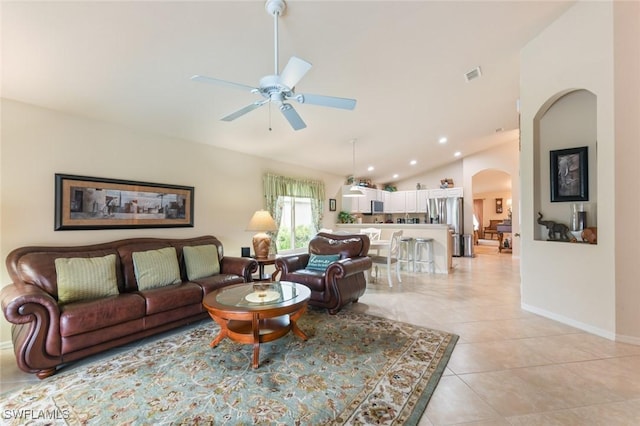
x=87 y=90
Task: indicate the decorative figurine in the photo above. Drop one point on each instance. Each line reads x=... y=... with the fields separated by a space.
x=557 y=231
x=590 y=235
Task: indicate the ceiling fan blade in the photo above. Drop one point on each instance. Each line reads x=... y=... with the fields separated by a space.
x=211 y=80
x=244 y=110
x=292 y=117
x=293 y=72
x=328 y=101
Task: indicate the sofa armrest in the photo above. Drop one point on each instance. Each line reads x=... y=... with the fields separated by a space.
x=38 y=346
x=242 y=266
x=295 y=262
x=347 y=267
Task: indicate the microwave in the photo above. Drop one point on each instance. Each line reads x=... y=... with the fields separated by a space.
x=377 y=207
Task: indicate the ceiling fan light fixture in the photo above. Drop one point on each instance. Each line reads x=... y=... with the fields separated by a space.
x=280 y=86
x=354 y=191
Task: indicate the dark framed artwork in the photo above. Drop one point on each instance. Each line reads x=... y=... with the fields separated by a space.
x=498 y=205
x=83 y=202
x=569 y=173
x=332 y=204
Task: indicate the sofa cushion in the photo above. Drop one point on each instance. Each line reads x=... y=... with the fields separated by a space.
x=85 y=278
x=312 y=279
x=172 y=296
x=320 y=262
x=215 y=282
x=156 y=268
x=201 y=261
x=82 y=317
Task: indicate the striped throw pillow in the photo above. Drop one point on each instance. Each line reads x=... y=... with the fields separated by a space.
x=201 y=261
x=156 y=268
x=85 y=278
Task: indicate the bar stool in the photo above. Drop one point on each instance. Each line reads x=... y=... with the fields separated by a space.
x=406 y=252
x=422 y=244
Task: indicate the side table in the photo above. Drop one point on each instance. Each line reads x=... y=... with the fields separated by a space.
x=270 y=260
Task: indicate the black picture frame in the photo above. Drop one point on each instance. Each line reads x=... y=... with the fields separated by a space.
x=569 y=174
x=332 y=204
x=84 y=202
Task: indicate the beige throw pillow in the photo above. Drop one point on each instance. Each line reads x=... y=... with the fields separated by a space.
x=201 y=261
x=156 y=268
x=85 y=278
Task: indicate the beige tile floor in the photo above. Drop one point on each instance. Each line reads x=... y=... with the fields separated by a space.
x=510 y=367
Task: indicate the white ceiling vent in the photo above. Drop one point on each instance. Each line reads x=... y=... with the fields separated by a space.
x=473 y=74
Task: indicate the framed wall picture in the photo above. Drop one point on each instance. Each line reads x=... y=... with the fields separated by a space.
x=332 y=204
x=83 y=202
x=569 y=174
x=498 y=205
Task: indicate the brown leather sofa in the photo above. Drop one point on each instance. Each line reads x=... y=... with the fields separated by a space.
x=47 y=333
x=342 y=282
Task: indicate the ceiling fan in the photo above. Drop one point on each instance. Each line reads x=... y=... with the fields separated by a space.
x=280 y=88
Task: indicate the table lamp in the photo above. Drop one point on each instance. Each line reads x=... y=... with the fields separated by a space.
x=261 y=222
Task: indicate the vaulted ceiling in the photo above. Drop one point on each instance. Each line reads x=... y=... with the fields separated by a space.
x=405 y=62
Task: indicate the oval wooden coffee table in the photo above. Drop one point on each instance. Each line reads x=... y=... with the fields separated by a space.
x=257 y=312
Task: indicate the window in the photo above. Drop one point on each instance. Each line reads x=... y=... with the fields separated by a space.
x=297 y=216
x=296 y=205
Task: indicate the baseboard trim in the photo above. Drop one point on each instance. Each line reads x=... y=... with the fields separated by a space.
x=570 y=321
x=633 y=340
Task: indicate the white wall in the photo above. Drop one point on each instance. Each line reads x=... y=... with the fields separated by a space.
x=574 y=283
x=37 y=143
x=431 y=179
x=627 y=171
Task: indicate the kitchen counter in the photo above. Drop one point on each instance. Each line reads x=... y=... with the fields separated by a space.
x=441 y=234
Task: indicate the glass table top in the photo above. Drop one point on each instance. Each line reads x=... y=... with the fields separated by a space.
x=267 y=294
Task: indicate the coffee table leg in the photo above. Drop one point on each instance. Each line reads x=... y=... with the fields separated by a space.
x=223 y=331
x=255 y=327
x=294 y=325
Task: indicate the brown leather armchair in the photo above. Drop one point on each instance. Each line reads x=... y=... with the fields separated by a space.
x=342 y=282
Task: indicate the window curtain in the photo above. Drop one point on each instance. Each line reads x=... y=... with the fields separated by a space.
x=280 y=186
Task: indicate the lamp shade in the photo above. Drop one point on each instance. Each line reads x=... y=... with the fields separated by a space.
x=261 y=222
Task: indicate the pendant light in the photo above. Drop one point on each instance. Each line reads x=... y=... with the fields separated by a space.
x=355 y=190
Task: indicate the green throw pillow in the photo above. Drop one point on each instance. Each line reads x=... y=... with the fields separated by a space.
x=320 y=262
x=201 y=261
x=84 y=278
x=156 y=268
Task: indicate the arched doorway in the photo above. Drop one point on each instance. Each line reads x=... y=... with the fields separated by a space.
x=492 y=203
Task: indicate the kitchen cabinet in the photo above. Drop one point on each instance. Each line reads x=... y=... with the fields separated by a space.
x=422 y=200
x=410 y=201
x=359 y=204
x=397 y=202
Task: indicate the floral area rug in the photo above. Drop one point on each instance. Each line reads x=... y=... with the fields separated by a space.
x=354 y=369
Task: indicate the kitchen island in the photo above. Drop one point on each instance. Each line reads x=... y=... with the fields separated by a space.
x=441 y=234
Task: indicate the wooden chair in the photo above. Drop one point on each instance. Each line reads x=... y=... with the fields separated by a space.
x=492 y=229
x=391 y=258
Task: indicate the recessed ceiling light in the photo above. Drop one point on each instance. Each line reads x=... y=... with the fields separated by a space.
x=413 y=162
x=370 y=168
x=442 y=140
x=457 y=154
x=396 y=176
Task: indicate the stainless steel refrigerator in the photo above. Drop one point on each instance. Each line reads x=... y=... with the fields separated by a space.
x=449 y=211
